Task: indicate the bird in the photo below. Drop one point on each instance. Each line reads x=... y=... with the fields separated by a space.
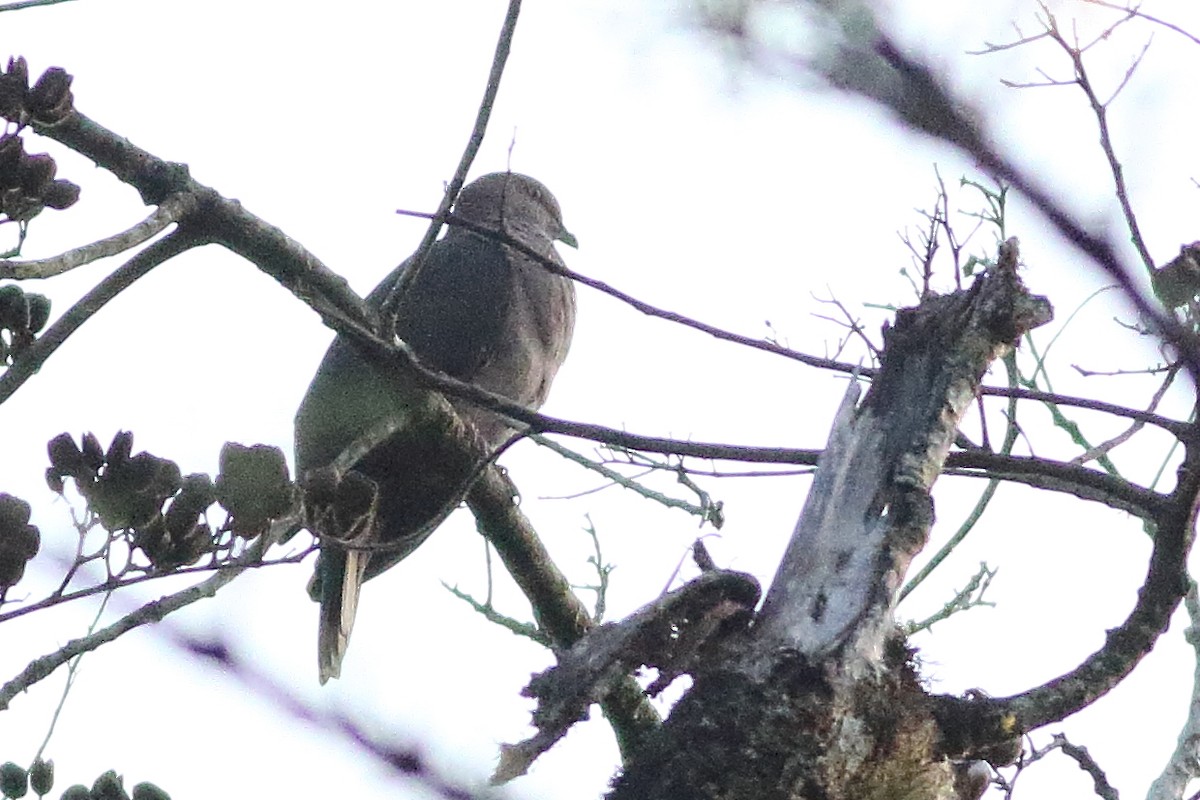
x=477 y=310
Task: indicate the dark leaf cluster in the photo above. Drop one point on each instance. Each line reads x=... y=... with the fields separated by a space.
x=128 y=492
x=19 y=541
x=111 y=786
x=27 y=182
x=22 y=314
x=45 y=104
x=253 y=486
x=15 y=782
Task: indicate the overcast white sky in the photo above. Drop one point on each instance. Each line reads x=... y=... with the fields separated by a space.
x=693 y=181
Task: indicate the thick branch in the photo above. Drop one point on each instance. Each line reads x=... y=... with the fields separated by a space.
x=555 y=606
x=213 y=218
x=1165 y=585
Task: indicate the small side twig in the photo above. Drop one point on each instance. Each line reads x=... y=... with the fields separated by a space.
x=603 y=571
x=489 y=612
x=970 y=596
x=619 y=479
x=1137 y=12
x=172 y=210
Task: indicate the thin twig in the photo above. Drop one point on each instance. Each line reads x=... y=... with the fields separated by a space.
x=499 y=59
x=172 y=210
x=970 y=596
x=645 y=308
x=1175 y=427
x=603 y=572
x=989 y=47
x=602 y=487
x=114 y=583
x=619 y=479
x=72 y=673
x=1087 y=763
x=485 y=609
x=1100 y=111
x=1137 y=12
x=1104 y=448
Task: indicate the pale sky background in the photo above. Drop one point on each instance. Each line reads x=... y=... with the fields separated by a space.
x=695 y=181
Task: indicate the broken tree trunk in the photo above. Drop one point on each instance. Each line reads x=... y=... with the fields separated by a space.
x=815 y=695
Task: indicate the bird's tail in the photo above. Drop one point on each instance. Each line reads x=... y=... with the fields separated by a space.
x=341 y=576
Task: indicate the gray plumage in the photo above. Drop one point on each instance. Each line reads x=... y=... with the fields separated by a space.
x=478 y=311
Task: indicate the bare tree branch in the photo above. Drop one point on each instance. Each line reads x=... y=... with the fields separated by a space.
x=172 y=210
x=1165 y=585
x=1135 y=11
x=1100 y=111
x=617 y=478
x=1087 y=763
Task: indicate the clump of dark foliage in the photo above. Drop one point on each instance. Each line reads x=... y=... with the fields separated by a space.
x=22 y=315
x=16 y=781
x=19 y=541
x=129 y=492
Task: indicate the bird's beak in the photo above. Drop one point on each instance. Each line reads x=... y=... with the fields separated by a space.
x=568 y=238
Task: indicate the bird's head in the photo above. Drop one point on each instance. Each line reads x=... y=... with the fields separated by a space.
x=515 y=203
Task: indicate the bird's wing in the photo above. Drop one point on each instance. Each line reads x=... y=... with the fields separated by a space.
x=453 y=314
